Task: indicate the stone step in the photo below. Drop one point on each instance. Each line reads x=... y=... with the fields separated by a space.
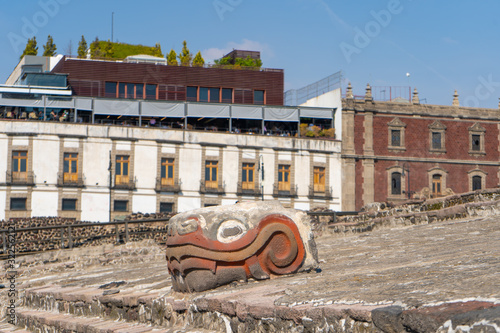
x=8 y=328
x=42 y=321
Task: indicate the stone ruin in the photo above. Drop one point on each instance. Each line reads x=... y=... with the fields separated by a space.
x=214 y=246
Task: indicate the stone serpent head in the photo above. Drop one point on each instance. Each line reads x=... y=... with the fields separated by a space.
x=214 y=246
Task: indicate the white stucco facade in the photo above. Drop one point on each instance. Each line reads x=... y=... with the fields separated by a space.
x=99 y=147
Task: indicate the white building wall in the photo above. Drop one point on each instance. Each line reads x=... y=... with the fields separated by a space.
x=97 y=141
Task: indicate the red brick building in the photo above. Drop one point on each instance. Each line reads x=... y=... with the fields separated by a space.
x=393 y=151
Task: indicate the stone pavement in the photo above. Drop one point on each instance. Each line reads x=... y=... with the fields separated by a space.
x=439 y=277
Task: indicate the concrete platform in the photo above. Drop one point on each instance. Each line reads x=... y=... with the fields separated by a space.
x=440 y=277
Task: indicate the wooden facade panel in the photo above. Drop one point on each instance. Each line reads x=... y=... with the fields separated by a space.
x=80 y=70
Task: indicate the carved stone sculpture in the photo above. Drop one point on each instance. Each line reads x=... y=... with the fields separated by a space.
x=214 y=246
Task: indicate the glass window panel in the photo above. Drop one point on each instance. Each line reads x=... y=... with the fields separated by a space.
x=121 y=90
x=69 y=204
x=139 y=90
x=118 y=168
x=244 y=176
x=476 y=142
x=150 y=91
x=192 y=94
x=203 y=94
x=436 y=140
x=125 y=169
x=110 y=89
x=258 y=97
x=207 y=173
x=73 y=167
x=166 y=207
x=18 y=204
x=396 y=138
x=214 y=95
x=66 y=165
x=214 y=173
x=15 y=165
x=476 y=183
x=163 y=171
x=227 y=95
x=250 y=175
x=170 y=171
x=23 y=165
x=121 y=205
x=130 y=90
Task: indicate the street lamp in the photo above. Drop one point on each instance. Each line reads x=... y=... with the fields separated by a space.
x=261 y=170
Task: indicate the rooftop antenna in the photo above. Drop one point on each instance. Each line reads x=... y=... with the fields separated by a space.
x=112 y=25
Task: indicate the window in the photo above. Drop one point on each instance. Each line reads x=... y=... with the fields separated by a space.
x=18 y=204
x=19 y=165
x=121 y=90
x=167 y=171
x=396 y=135
x=203 y=94
x=476 y=183
x=247 y=176
x=283 y=177
x=68 y=204
x=436 y=185
x=227 y=95
x=211 y=168
x=139 y=90
x=396 y=183
x=319 y=179
x=121 y=205
x=476 y=142
x=258 y=97
x=436 y=140
x=214 y=95
x=110 y=89
x=166 y=207
x=121 y=171
x=130 y=90
x=437 y=137
x=192 y=94
x=150 y=91
x=396 y=138
x=70 y=168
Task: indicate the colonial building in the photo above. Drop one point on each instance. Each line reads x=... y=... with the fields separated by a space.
x=395 y=150
x=97 y=140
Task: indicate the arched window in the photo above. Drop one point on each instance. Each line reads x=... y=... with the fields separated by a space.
x=436 y=185
x=476 y=183
x=396 y=183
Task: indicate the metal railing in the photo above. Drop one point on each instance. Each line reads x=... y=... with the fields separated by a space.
x=26 y=178
x=326 y=193
x=68 y=236
x=255 y=191
x=175 y=187
x=220 y=189
x=68 y=182
x=291 y=192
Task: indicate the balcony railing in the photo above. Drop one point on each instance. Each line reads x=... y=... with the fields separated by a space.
x=161 y=187
x=20 y=178
x=316 y=193
x=280 y=192
x=256 y=190
x=125 y=185
x=220 y=189
x=63 y=181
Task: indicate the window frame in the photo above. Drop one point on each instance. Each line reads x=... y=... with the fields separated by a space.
x=437 y=128
x=69 y=176
x=23 y=199
x=248 y=171
x=211 y=170
x=120 y=201
x=166 y=164
x=477 y=173
x=75 y=201
x=476 y=130
x=17 y=164
x=121 y=178
x=393 y=126
x=319 y=178
x=284 y=173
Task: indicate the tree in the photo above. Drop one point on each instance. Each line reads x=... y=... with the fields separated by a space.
x=185 y=56
x=49 y=49
x=95 y=49
x=82 y=48
x=108 y=49
x=157 y=50
x=31 y=48
x=198 y=60
x=172 y=58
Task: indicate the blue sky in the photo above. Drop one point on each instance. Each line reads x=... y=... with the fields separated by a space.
x=444 y=45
